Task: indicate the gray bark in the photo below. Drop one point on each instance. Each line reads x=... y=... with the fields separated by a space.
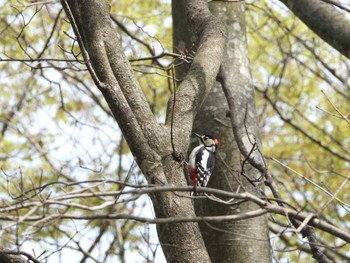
x=245 y=240
x=240 y=241
x=11 y=256
x=149 y=141
x=325 y=20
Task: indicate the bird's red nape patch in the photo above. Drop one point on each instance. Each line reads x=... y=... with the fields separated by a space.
x=216 y=141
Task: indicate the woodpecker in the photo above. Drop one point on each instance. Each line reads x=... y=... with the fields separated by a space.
x=202 y=160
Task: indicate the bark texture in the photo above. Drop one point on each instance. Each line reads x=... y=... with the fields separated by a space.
x=149 y=141
x=240 y=241
x=325 y=20
x=245 y=240
x=10 y=256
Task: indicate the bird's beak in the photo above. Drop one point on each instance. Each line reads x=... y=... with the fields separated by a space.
x=198 y=135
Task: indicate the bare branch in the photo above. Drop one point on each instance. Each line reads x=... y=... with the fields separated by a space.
x=265 y=205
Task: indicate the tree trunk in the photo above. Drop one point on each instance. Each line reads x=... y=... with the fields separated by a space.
x=157 y=148
x=246 y=240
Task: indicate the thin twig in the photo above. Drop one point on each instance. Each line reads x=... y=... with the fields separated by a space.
x=311 y=182
x=335 y=108
x=334 y=196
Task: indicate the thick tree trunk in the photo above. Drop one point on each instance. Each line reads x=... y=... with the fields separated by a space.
x=246 y=240
x=325 y=20
x=156 y=151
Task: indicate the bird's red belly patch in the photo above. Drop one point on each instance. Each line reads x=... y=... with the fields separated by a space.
x=193 y=175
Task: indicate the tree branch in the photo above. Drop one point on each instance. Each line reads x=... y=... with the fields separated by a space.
x=265 y=205
x=197 y=84
x=11 y=256
x=113 y=75
x=326 y=21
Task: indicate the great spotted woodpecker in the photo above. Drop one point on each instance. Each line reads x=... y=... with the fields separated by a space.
x=202 y=160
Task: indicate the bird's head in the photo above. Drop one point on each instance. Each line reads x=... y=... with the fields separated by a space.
x=208 y=140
